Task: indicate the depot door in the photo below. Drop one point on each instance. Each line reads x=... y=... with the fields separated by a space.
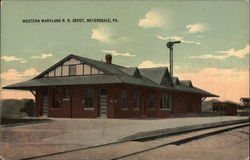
x=45 y=102
x=103 y=102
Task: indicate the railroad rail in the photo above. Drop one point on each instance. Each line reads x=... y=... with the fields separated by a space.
x=198 y=134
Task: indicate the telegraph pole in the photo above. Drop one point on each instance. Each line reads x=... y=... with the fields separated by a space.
x=171 y=59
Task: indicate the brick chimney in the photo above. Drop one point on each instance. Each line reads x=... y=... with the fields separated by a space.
x=108 y=58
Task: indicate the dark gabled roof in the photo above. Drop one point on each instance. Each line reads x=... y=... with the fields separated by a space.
x=106 y=68
x=155 y=74
x=114 y=74
x=58 y=81
x=199 y=91
x=176 y=81
x=187 y=83
x=130 y=71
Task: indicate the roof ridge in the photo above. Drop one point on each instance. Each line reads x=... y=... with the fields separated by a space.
x=53 y=66
x=153 y=68
x=133 y=71
x=84 y=58
x=98 y=61
x=186 y=80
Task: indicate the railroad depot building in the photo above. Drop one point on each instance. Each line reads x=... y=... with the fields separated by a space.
x=79 y=87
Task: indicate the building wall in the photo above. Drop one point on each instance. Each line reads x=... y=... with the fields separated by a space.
x=186 y=103
x=143 y=111
x=115 y=102
x=74 y=107
x=78 y=107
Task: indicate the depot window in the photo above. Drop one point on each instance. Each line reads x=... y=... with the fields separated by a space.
x=89 y=98
x=55 y=100
x=136 y=100
x=151 y=101
x=124 y=100
x=166 y=101
x=66 y=93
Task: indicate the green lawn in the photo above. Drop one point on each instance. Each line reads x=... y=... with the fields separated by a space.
x=6 y=121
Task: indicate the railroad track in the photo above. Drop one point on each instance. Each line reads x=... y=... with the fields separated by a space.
x=129 y=148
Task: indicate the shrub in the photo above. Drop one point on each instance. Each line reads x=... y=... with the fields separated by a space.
x=17 y=108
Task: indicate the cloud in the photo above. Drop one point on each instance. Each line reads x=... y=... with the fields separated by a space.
x=177 y=38
x=152 y=19
x=43 y=56
x=102 y=34
x=208 y=56
x=114 y=53
x=229 y=84
x=12 y=58
x=232 y=52
x=194 y=28
x=237 y=53
x=150 y=64
x=13 y=74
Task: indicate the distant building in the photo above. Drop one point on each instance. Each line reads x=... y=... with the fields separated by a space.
x=244 y=110
x=245 y=101
x=226 y=108
x=78 y=87
x=207 y=106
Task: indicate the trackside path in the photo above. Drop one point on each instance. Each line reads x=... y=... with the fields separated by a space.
x=62 y=135
x=131 y=149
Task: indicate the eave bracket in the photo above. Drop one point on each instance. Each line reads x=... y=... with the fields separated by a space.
x=33 y=92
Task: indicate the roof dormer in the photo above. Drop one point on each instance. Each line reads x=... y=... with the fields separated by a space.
x=187 y=83
x=176 y=81
x=133 y=71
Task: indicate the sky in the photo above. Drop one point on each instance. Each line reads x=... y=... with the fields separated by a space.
x=214 y=52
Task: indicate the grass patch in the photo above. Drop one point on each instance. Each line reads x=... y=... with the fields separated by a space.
x=10 y=121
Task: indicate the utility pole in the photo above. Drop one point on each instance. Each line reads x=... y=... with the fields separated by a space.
x=170 y=46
